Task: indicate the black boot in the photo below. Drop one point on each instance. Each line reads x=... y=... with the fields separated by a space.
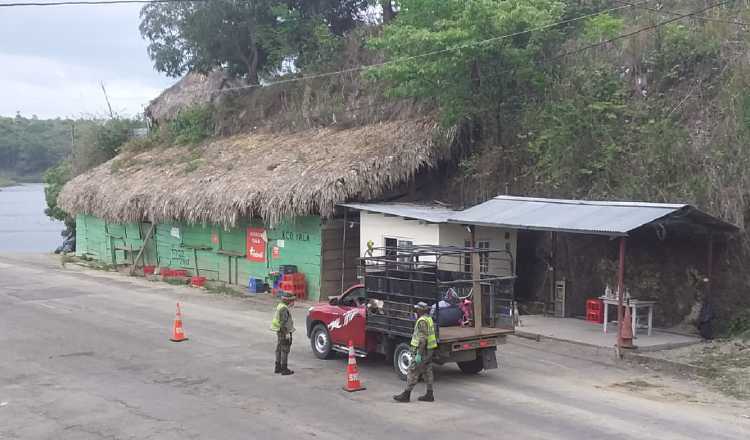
x=277 y=369
x=286 y=371
x=428 y=397
x=403 y=397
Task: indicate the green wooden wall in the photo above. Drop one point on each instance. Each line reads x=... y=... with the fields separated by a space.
x=211 y=251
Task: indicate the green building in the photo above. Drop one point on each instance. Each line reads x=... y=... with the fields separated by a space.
x=241 y=206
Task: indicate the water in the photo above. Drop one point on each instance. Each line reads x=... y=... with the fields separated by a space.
x=23 y=225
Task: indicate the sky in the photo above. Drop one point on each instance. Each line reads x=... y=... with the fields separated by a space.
x=53 y=58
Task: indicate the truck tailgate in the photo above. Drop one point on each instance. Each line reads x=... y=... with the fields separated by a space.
x=453 y=334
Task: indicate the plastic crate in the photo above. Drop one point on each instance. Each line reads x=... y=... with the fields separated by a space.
x=287 y=269
x=596 y=317
x=198 y=281
x=594 y=305
x=253 y=284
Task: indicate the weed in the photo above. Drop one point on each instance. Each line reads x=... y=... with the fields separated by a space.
x=65 y=259
x=175 y=281
x=222 y=289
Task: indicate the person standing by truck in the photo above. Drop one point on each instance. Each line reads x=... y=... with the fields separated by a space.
x=423 y=343
x=283 y=325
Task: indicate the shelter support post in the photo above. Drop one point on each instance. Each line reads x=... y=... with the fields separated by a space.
x=343 y=249
x=709 y=268
x=476 y=286
x=477 y=289
x=620 y=295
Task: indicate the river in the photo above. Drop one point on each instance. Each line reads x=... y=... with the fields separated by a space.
x=23 y=225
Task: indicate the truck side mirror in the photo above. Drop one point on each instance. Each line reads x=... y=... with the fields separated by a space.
x=334 y=301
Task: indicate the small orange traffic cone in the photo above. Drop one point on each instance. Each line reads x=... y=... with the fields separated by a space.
x=626 y=329
x=177 y=334
x=352 y=372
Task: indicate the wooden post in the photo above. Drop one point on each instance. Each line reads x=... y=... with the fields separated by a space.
x=477 y=289
x=143 y=248
x=343 y=249
x=709 y=268
x=620 y=295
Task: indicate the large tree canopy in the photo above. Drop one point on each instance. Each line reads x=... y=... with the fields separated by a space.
x=475 y=78
x=248 y=38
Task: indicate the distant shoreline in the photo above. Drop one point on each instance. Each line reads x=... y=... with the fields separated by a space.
x=6 y=182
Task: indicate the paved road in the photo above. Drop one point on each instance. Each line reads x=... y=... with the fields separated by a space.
x=85 y=355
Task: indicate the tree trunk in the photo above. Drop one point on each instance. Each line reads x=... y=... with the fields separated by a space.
x=388 y=12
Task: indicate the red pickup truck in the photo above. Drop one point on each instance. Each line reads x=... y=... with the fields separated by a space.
x=387 y=331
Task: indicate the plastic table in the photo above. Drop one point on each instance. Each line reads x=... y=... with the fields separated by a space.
x=634 y=305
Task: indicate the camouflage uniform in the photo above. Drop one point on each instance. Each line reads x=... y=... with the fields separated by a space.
x=424 y=368
x=283 y=325
x=284 y=335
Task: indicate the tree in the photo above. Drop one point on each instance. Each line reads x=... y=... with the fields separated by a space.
x=54 y=179
x=200 y=36
x=474 y=79
x=248 y=38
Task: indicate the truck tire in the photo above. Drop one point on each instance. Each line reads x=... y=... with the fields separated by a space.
x=471 y=367
x=320 y=341
x=402 y=359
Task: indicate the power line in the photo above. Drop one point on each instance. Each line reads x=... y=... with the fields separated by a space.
x=560 y=56
x=93 y=2
x=677 y=13
x=435 y=52
x=641 y=30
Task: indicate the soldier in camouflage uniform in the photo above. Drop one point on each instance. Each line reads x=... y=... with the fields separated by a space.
x=423 y=343
x=283 y=325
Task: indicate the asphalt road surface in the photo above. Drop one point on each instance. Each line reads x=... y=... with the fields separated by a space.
x=86 y=355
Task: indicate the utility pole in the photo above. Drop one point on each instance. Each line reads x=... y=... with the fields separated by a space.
x=106 y=98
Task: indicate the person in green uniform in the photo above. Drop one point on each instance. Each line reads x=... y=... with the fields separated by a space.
x=423 y=343
x=283 y=325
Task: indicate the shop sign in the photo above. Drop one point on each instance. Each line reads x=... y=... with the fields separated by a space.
x=256 y=244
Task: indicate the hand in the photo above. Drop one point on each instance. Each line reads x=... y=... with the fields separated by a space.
x=418 y=359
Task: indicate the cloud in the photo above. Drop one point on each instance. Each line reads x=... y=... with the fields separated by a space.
x=53 y=58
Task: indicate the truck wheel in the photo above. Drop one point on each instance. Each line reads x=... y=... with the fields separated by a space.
x=320 y=341
x=402 y=359
x=471 y=367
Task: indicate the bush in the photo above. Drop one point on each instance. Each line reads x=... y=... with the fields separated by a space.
x=740 y=325
x=192 y=125
x=55 y=178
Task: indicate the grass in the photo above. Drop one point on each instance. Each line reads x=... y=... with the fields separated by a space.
x=222 y=289
x=728 y=366
x=6 y=181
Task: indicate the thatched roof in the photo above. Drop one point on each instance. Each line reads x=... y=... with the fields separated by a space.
x=272 y=176
x=192 y=89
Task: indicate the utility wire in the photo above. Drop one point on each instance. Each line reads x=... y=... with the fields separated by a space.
x=641 y=30
x=93 y=2
x=435 y=52
x=547 y=61
x=676 y=13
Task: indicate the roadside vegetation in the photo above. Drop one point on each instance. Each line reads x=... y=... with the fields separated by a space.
x=595 y=99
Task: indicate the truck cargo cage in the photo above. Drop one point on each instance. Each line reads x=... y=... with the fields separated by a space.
x=396 y=278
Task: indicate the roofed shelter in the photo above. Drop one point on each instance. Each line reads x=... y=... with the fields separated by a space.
x=616 y=220
x=243 y=206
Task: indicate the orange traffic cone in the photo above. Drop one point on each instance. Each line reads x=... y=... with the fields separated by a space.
x=352 y=372
x=626 y=329
x=177 y=334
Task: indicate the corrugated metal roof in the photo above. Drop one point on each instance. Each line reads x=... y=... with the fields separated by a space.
x=607 y=218
x=428 y=213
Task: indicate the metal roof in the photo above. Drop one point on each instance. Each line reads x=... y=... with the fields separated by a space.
x=605 y=218
x=428 y=213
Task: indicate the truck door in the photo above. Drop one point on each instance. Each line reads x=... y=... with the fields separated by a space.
x=350 y=323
